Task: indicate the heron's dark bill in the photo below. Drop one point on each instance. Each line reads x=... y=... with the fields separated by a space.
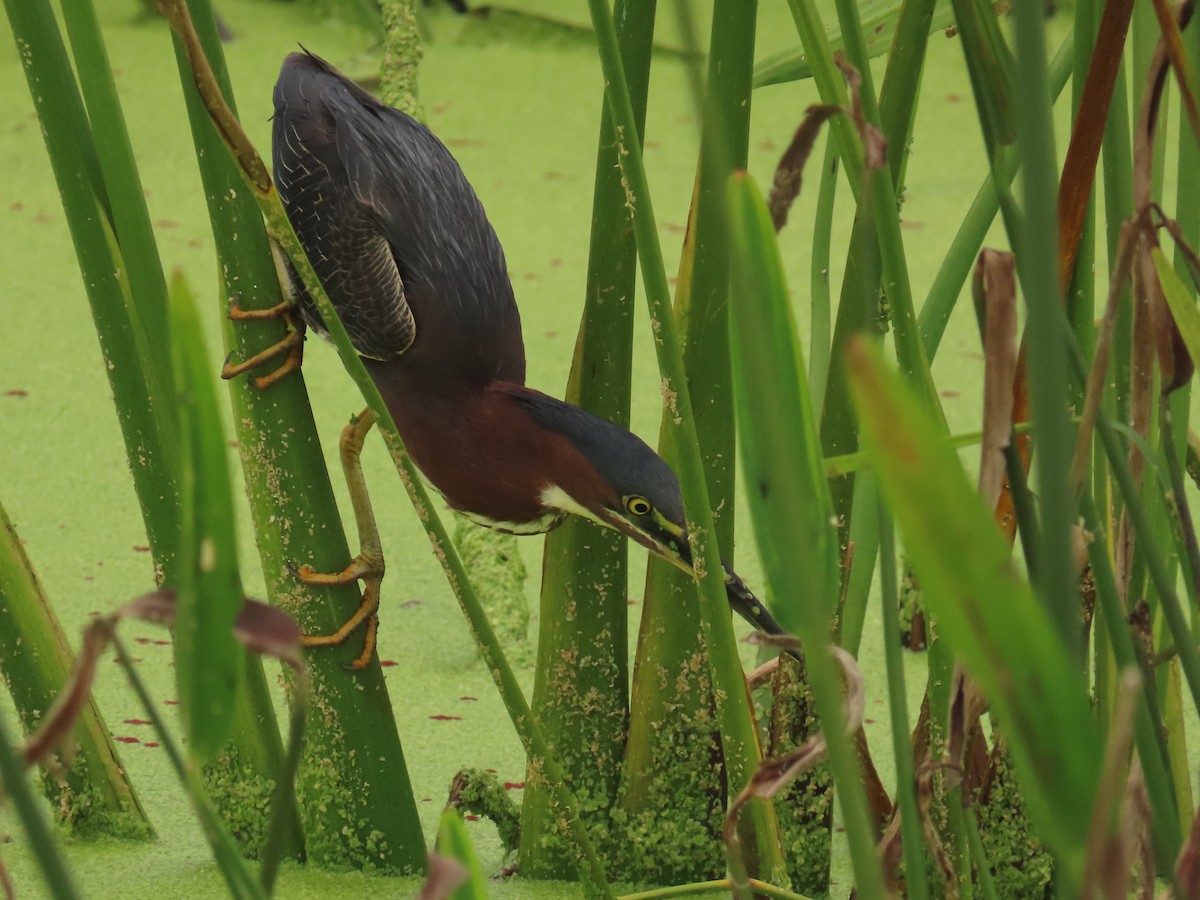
x=748 y=606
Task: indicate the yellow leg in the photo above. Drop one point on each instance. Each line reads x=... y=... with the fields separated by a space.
x=292 y=345
x=368 y=565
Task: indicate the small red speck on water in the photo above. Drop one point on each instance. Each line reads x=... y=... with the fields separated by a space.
x=493 y=771
x=631 y=603
x=140 y=548
x=767 y=145
x=444 y=718
x=138 y=722
x=94 y=612
x=551 y=334
x=672 y=228
x=150 y=744
x=840 y=830
x=514 y=785
x=171 y=702
x=949 y=395
x=910 y=225
x=465 y=697
x=471 y=818
x=869 y=721
x=652 y=145
x=195 y=242
x=387 y=663
x=531 y=276
x=954 y=98
x=426 y=799
x=127 y=740
x=16 y=392
x=16 y=206
x=42 y=218
x=408 y=604
x=167 y=223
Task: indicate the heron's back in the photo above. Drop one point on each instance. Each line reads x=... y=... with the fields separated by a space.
x=351 y=171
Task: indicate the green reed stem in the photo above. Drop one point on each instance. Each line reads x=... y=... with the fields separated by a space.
x=738 y=733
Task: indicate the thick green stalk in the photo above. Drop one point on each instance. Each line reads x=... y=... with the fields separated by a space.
x=738 y=734
x=131 y=219
x=1037 y=268
x=906 y=783
x=88 y=790
x=149 y=445
x=352 y=743
x=583 y=707
x=677 y=709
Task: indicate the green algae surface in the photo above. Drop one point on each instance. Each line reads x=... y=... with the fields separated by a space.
x=520 y=110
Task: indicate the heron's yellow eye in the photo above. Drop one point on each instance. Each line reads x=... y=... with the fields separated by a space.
x=637 y=506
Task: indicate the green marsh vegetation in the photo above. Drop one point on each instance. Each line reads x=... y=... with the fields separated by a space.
x=1043 y=733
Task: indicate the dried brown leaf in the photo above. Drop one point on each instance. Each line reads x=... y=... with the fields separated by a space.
x=967 y=704
x=790 y=172
x=265 y=629
x=1172 y=42
x=873 y=141
x=1079 y=167
x=55 y=727
x=995 y=290
x=1108 y=832
x=1187 y=868
x=445 y=874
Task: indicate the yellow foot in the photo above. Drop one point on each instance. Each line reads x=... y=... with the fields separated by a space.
x=370 y=570
x=368 y=565
x=292 y=345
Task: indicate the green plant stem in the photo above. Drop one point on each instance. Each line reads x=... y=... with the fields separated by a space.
x=1179 y=491
x=906 y=784
x=131 y=219
x=909 y=349
x=738 y=734
x=283 y=800
x=956 y=265
x=1149 y=731
x=820 y=330
x=29 y=813
x=584 y=708
x=233 y=866
x=983 y=866
x=148 y=446
x=1037 y=268
x=90 y=788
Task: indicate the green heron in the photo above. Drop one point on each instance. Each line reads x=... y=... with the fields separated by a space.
x=403 y=247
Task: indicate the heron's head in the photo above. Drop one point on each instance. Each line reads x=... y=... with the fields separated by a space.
x=630 y=489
